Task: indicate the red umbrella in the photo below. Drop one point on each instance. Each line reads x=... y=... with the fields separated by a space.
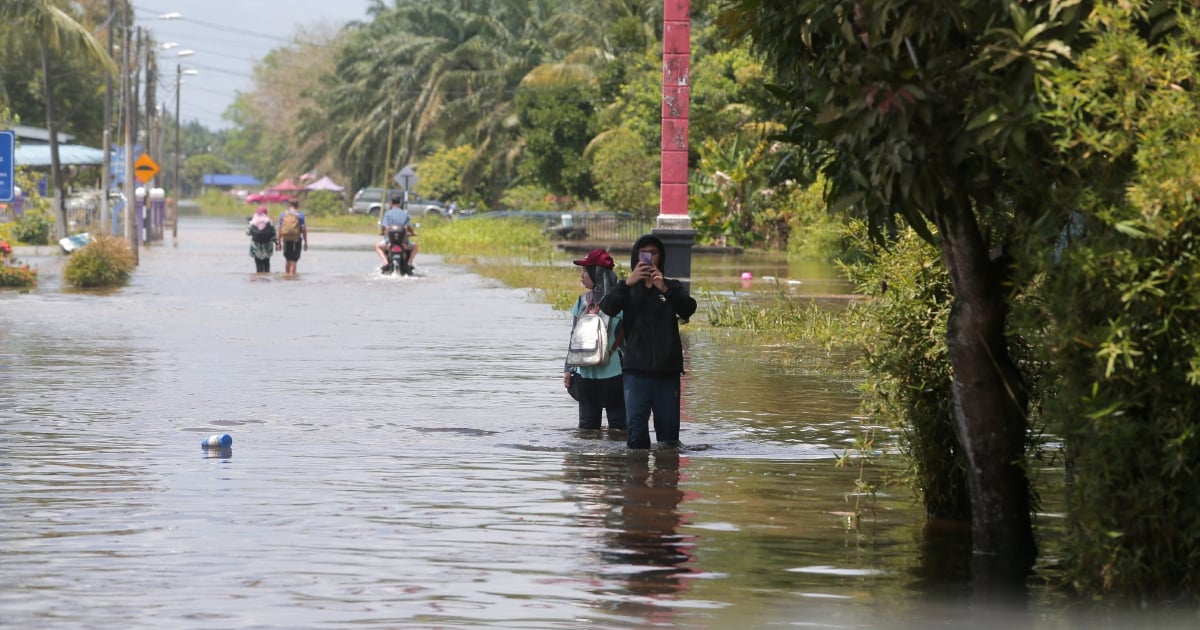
x=287 y=185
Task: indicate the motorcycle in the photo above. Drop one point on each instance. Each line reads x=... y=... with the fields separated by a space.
x=397 y=252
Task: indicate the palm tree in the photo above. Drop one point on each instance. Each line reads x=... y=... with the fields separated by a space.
x=56 y=33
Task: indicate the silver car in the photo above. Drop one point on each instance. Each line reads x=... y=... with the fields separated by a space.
x=370 y=200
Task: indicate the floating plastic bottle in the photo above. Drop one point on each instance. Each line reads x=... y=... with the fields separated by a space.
x=221 y=440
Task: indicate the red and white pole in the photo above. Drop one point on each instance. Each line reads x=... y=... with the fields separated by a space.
x=674 y=225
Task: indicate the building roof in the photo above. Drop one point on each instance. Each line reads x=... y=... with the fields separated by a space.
x=39 y=155
x=36 y=135
x=224 y=179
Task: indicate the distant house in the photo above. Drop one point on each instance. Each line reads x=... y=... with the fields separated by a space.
x=33 y=149
x=227 y=181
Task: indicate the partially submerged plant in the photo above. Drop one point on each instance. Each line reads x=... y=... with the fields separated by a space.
x=107 y=261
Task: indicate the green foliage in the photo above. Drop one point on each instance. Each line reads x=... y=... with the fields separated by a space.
x=728 y=190
x=902 y=331
x=813 y=233
x=323 y=203
x=481 y=242
x=195 y=167
x=557 y=122
x=34 y=227
x=1124 y=296
x=528 y=197
x=781 y=321
x=625 y=175
x=443 y=173
x=484 y=236
x=223 y=203
x=107 y=261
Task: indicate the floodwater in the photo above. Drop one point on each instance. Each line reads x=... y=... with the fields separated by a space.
x=405 y=456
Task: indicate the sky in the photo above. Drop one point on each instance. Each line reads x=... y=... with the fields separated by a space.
x=227 y=37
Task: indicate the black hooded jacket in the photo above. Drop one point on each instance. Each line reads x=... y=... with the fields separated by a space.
x=651 y=321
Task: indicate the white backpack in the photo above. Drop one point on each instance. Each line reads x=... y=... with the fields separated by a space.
x=589 y=340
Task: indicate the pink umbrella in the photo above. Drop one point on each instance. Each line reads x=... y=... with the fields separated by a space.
x=325 y=184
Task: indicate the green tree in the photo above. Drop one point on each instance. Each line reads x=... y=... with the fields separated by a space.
x=442 y=175
x=195 y=167
x=56 y=32
x=929 y=112
x=624 y=174
x=556 y=108
x=1124 y=294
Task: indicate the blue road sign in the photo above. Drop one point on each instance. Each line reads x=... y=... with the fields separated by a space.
x=8 y=141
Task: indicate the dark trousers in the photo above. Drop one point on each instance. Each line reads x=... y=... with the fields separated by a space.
x=262 y=265
x=598 y=395
x=651 y=393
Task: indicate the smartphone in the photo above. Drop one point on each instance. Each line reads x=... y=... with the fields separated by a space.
x=646 y=257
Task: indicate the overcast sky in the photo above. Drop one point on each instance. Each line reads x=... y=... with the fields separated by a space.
x=228 y=37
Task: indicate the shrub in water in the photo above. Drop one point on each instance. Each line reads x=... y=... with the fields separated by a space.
x=105 y=262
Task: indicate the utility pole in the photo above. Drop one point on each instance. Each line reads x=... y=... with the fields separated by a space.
x=128 y=104
x=106 y=163
x=174 y=213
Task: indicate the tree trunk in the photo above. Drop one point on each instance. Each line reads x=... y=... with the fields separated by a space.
x=56 y=184
x=989 y=400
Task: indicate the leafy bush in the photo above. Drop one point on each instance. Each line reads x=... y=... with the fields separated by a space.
x=323 y=203
x=902 y=330
x=528 y=197
x=107 y=261
x=33 y=228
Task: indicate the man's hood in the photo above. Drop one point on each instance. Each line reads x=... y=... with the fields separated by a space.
x=648 y=239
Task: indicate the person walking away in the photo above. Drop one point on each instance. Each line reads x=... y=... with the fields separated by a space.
x=652 y=358
x=262 y=239
x=600 y=386
x=398 y=217
x=293 y=236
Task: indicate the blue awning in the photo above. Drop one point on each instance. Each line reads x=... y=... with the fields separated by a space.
x=39 y=155
x=221 y=179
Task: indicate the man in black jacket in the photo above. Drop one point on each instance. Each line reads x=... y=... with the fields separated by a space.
x=653 y=353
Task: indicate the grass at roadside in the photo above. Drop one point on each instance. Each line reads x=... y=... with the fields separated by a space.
x=513 y=252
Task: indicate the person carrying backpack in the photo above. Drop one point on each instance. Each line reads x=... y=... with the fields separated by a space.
x=262 y=239
x=293 y=236
x=599 y=387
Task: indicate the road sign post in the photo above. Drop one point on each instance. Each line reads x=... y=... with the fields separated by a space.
x=407 y=177
x=7 y=148
x=145 y=168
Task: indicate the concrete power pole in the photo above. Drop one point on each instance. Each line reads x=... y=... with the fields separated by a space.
x=674 y=227
x=128 y=103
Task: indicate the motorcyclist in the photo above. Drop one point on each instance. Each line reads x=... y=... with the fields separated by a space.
x=396 y=216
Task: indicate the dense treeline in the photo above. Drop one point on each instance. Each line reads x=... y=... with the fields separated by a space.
x=1046 y=153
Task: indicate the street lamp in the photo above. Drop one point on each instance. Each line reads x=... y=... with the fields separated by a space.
x=179 y=72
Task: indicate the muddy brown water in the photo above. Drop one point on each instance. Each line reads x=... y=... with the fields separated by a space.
x=405 y=456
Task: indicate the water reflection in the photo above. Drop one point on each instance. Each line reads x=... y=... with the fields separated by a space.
x=631 y=501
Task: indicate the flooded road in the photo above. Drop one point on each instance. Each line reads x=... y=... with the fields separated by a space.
x=405 y=456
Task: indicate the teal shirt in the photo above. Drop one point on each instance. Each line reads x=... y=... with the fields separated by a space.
x=614 y=364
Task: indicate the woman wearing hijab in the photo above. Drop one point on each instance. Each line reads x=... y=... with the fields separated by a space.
x=600 y=386
x=262 y=239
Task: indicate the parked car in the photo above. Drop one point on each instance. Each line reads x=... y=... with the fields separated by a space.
x=370 y=200
x=269 y=196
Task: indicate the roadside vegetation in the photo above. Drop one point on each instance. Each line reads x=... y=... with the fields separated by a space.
x=107 y=261
x=14 y=273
